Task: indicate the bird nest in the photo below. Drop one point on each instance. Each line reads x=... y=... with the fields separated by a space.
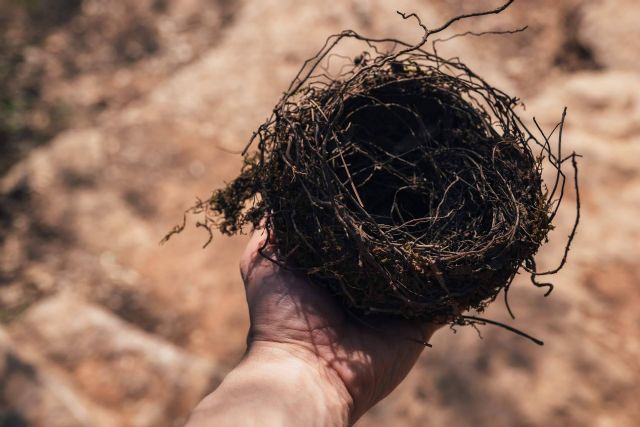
x=404 y=183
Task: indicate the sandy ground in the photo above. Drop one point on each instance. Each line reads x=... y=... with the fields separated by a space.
x=103 y=326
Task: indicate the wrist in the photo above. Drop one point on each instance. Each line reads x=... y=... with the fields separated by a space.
x=280 y=385
x=305 y=382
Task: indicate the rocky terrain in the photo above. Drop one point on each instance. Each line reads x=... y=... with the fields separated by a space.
x=116 y=115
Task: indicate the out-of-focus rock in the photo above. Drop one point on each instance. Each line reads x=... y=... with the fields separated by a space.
x=146 y=380
x=34 y=394
x=605 y=105
x=60 y=163
x=610 y=28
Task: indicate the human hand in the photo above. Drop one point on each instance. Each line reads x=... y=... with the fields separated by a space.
x=366 y=358
x=307 y=361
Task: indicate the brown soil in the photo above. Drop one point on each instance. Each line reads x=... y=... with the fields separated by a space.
x=156 y=97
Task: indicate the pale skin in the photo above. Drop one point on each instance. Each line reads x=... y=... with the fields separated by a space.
x=308 y=362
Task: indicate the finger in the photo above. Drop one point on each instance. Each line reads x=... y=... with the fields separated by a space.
x=428 y=329
x=251 y=252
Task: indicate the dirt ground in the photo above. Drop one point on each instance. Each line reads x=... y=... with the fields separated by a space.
x=116 y=115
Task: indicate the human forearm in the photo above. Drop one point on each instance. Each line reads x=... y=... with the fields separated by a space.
x=276 y=385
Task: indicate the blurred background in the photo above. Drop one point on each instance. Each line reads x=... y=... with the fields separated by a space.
x=116 y=114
